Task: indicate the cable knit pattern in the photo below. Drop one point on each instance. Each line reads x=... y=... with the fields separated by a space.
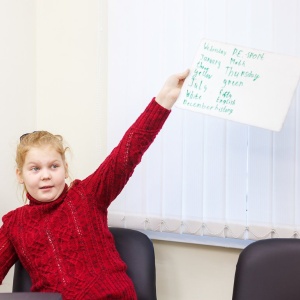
x=65 y=245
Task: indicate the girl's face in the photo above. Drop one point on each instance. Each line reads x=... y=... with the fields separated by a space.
x=44 y=173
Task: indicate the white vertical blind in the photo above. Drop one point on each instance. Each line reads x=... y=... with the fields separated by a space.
x=202 y=175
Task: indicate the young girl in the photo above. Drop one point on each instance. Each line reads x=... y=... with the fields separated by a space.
x=61 y=237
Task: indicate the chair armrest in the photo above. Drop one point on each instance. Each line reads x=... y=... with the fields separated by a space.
x=30 y=296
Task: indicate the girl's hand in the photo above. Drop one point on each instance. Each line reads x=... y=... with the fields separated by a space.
x=171 y=89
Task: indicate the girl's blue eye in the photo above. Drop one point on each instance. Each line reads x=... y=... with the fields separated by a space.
x=35 y=169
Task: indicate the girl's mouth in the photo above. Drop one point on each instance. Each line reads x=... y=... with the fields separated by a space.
x=46 y=187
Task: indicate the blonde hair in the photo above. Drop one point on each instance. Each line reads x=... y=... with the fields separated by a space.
x=39 y=139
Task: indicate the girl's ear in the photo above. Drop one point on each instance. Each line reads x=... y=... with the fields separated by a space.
x=19 y=176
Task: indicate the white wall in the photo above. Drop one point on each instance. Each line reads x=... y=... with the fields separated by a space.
x=17 y=93
x=52 y=52
x=194 y=272
x=69 y=82
x=17 y=87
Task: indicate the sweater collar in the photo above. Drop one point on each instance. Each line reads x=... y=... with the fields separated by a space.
x=33 y=201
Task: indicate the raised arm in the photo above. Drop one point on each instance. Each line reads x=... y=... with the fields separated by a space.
x=108 y=180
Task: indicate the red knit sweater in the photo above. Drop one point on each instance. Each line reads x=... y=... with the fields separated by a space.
x=65 y=245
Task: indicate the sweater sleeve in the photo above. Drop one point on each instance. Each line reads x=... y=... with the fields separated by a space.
x=8 y=255
x=109 y=179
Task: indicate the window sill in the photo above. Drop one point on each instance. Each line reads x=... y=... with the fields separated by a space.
x=196 y=239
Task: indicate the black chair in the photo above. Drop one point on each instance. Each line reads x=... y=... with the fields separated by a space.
x=136 y=250
x=268 y=270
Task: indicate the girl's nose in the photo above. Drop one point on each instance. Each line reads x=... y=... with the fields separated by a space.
x=45 y=175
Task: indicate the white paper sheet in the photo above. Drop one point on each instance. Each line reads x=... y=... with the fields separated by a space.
x=240 y=84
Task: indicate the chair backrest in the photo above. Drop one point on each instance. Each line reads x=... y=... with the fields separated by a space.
x=136 y=250
x=268 y=270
